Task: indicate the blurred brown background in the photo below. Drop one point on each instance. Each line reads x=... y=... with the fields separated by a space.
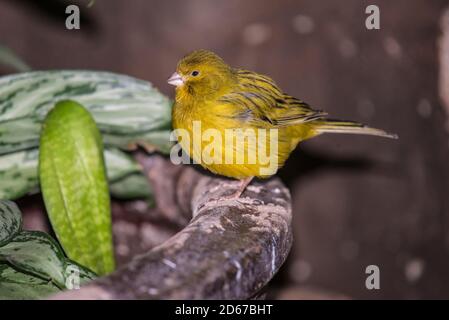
x=357 y=200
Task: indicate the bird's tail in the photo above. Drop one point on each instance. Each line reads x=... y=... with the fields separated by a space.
x=341 y=126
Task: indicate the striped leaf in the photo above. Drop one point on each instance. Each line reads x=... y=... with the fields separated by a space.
x=19 y=173
x=16 y=285
x=74 y=186
x=35 y=253
x=10 y=221
x=127 y=111
x=37 y=267
x=32 y=264
x=132 y=186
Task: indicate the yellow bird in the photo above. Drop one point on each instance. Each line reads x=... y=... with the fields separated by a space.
x=239 y=115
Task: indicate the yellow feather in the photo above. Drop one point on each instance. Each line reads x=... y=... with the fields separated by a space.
x=222 y=98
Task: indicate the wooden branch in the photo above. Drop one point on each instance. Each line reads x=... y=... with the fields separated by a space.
x=229 y=250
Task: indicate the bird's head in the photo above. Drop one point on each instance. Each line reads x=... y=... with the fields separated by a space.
x=201 y=73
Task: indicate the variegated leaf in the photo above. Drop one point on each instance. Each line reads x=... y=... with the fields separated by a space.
x=10 y=221
x=19 y=173
x=16 y=285
x=132 y=186
x=36 y=253
x=126 y=110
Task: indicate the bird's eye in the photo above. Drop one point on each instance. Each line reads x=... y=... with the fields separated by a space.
x=195 y=73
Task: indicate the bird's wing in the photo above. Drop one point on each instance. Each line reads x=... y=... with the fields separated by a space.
x=297 y=111
x=258 y=99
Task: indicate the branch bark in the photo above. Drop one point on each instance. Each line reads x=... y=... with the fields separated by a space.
x=229 y=250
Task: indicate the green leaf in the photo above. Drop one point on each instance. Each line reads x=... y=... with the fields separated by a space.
x=74 y=186
x=19 y=172
x=10 y=221
x=119 y=164
x=133 y=186
x=36 y=253
x=9 y=58
x=32 y=264
x=17 y=285
x=127 y=111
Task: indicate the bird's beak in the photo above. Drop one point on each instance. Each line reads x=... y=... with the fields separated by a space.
x=175 y=80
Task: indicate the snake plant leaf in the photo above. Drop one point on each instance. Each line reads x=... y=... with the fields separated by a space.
x=10 y=221
x=127 y=111
x=36 y=253
x=15 y=285
x=74 y=186
x=19 y=172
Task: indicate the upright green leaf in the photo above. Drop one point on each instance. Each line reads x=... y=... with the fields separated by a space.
x=73 y=182
x=10 y=221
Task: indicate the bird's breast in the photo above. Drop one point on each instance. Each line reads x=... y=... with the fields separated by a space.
x=225 y=145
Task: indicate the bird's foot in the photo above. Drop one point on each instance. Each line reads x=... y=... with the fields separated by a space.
x=236 y=195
